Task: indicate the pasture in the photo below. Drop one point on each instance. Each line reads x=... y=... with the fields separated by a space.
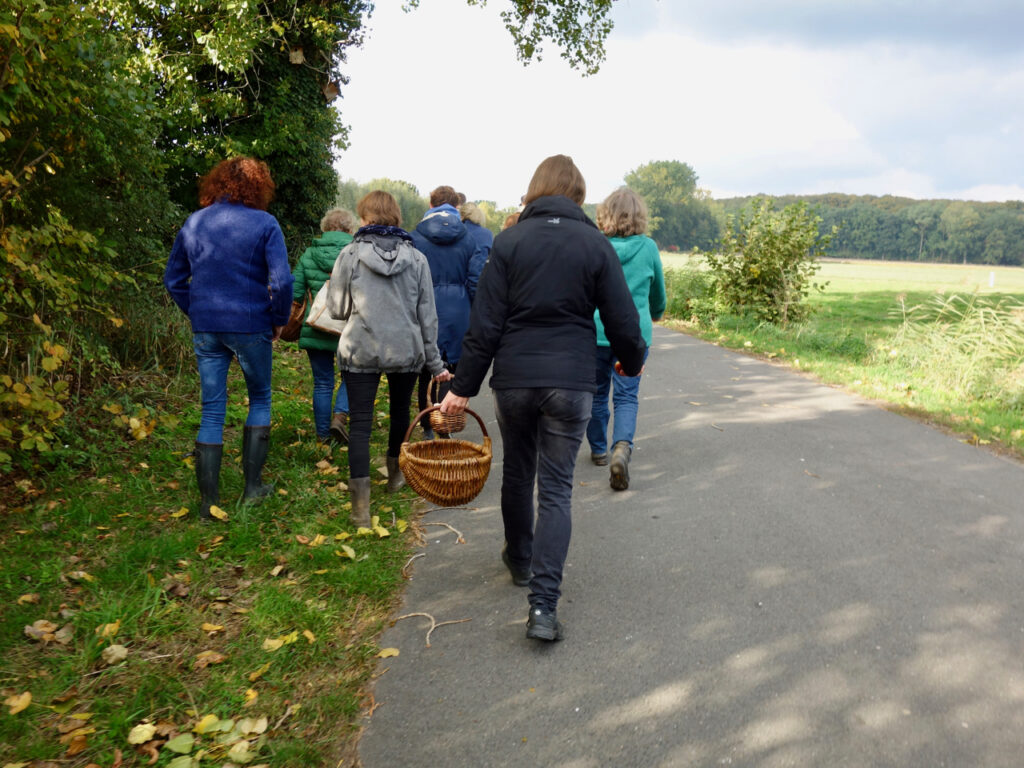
x=940 y=342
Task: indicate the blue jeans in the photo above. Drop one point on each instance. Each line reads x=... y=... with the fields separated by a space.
x=214 y=352
x=322 y=363
x=625 y=401
x=541 y=432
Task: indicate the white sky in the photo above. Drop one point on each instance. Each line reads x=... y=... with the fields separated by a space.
x=916 y=99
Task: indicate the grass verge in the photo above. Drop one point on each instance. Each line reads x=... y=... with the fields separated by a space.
x=954 y=359
x=131 y=634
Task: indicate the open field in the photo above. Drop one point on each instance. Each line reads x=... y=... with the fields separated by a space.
x=875 y=330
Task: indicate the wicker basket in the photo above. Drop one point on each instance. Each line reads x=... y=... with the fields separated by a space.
x=443 y=423
x=448 y=473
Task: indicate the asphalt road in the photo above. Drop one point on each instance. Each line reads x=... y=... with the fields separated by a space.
x=795 y=577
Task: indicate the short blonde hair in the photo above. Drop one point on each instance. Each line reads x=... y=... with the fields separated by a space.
x=379 y=207
x=557 y=175
x=622 y=214
x=338 y=220
x=471 y=212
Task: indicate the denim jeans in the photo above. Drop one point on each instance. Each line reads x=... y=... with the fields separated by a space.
x=625 y=401
x=322 y=363
x=541 y=432
x=362 y=392
x=214 y=352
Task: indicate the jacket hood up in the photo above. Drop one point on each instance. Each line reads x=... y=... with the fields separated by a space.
x=442 y=225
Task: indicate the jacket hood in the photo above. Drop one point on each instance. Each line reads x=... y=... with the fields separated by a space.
x=442 y=225
x=628 y=247
x=384 y=254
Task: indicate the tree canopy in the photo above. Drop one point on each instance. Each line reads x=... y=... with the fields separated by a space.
x=681 y=215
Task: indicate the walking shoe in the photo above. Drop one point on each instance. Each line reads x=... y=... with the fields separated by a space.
x=520 y=576
x=543 y=625
x=621 y=452
x=601 y=459
x=339 y=427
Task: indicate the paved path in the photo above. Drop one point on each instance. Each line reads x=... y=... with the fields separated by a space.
x=795 y=578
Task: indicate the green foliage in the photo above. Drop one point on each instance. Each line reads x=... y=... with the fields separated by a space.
x=412 y=204
x=691 y=295
x=767 y=261
x=682 y=216
x=901 y=229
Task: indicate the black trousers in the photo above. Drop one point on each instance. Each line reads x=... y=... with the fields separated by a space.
x=362 y=392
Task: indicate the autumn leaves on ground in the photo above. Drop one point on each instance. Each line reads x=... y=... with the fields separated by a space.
x=133 y=635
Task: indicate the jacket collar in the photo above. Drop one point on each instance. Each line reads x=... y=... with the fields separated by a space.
x=555 y=205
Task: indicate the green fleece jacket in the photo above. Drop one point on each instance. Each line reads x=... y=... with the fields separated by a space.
x=641 y=264
x=312 y=271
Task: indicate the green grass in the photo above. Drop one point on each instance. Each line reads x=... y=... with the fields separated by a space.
x=935 y=341
x=109 y=511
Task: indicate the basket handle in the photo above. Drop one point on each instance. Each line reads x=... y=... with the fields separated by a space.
x=425 y=411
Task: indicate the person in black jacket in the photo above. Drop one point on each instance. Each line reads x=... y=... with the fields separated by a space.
x=534 y=319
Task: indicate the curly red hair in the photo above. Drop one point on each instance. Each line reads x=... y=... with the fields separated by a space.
x=244 y=180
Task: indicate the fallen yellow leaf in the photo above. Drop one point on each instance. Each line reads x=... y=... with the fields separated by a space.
x=18 y=702
x=205 y=724
x=108 y=630
x=141 y=733
x=309 y=635
x=272 y=643
x=254 y=676
x=346 y=551
x=206 y=658
x=250 y=697
x=180 y=513
x=207 y=627
x=218 y=513
x=387 y=653
x=318 y=540
x=342 y=536
x=31 y=597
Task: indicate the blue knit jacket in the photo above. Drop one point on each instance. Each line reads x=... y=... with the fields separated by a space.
x=228 y=270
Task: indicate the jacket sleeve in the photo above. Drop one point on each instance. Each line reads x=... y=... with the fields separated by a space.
x=619 y=315
x=486 y=326
x=657 y=298
x=426 y=315
x=280 y=276
x=299 y=276
x=476 y=266
x=339 y=290
x=178 y=274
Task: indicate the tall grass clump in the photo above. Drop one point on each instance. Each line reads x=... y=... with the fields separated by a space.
x=966 y=345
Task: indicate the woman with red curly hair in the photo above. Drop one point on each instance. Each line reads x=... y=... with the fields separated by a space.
x=229 y=272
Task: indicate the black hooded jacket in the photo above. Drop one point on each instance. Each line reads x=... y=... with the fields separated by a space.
x=534 y=310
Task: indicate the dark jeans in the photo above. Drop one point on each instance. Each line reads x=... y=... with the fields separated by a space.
x=541 y=432
x=321 y=361
x=438 y=395
x=362 y=392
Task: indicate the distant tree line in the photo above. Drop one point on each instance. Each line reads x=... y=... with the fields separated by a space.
x=903 y=229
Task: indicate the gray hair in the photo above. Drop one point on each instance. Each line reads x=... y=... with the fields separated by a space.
x=471 y=212
x=338 y=220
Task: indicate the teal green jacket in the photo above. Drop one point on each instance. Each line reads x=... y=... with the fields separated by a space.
x=641 y=263
x=314 y=268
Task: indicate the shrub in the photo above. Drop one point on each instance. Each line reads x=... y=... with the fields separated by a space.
x=767 y=261
x=691 y=295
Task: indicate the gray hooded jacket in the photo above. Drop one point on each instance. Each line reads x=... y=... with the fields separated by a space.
x=381 y=288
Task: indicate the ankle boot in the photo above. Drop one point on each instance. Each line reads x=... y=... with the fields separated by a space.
x=255 y=445
x=207 y=460
x=619 y=468
x=359 y=492
x=396 y=479
x=339 y=428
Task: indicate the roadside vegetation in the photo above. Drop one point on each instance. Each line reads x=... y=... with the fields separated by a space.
x=133 y=635
x=944 y=343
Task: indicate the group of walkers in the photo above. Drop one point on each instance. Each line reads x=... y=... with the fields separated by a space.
x=560 y=310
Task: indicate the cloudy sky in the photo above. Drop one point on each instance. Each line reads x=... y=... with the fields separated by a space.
x=921 y=98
